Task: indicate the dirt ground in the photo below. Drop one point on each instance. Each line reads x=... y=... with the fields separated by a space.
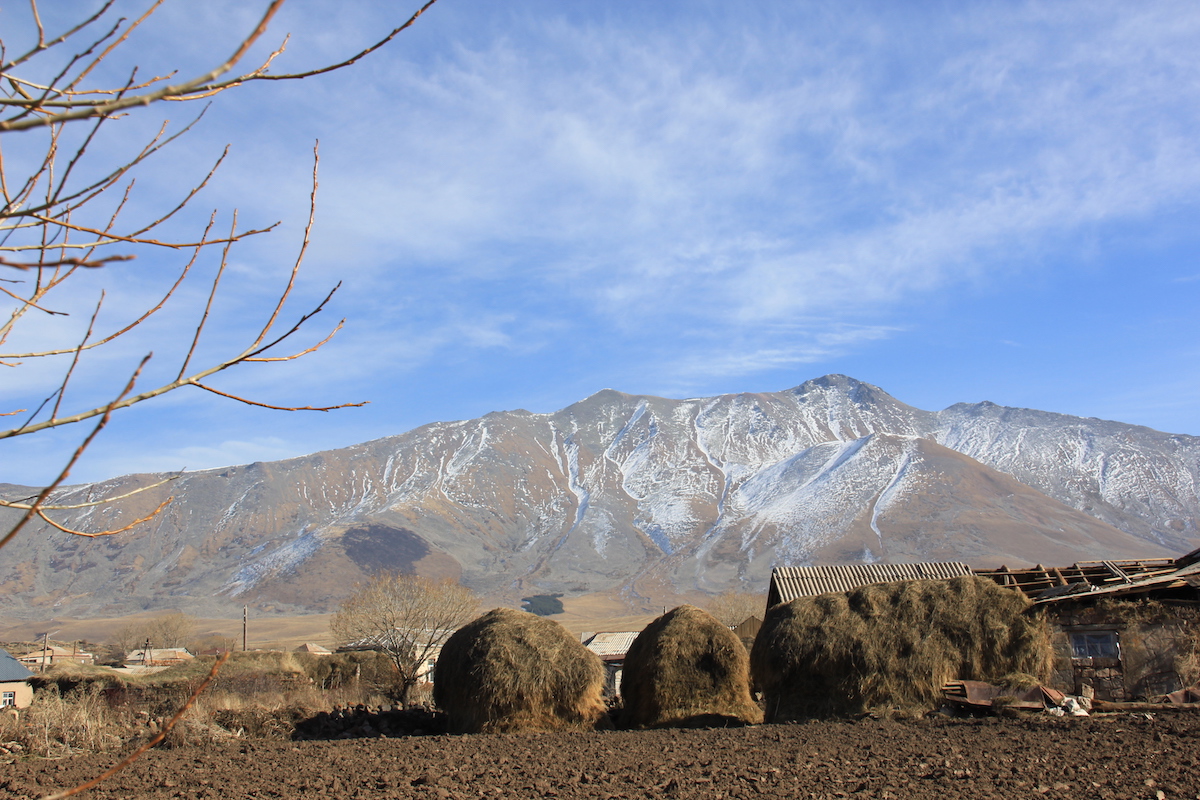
x=1117 y=756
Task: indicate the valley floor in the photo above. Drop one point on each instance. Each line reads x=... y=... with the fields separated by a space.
x=1115 y=756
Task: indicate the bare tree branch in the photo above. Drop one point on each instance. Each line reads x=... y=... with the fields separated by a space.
x=52 y=225
x=66 y=471
x=41 y=512
x=94 y=503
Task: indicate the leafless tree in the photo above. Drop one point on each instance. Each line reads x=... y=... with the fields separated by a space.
x=175 y=629
x=67 y=212
x=171 y=630
x=124 y=641
x=408 y=617
x=733 y=608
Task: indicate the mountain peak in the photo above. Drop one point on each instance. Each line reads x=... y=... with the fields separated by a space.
x=860 y=392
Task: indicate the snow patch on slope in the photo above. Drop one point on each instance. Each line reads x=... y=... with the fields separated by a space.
x=895 y=489
x=283 y=559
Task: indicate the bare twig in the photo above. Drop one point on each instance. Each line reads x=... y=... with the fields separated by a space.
x=279 y=408
x=136 y=754
x=62 y=389
x=41 y=512
x=200 y=87
x=66 y=471
x=23 y=122
x=47 y=216
x=64 y=262
x=94 y=503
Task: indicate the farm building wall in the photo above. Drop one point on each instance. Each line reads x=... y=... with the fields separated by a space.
x=1124 y=650
x=18 y=694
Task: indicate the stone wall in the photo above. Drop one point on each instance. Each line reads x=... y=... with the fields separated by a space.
x=1157 y=648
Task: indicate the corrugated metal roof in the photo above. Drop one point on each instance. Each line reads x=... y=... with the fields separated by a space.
x=11 y=669
x=611 y=644
x=788 y=583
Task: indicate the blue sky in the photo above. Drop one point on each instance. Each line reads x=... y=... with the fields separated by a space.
x=529 y=201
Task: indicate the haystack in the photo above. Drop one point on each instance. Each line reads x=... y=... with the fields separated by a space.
x=510 y=670
x=686 y=668
x=892 y=646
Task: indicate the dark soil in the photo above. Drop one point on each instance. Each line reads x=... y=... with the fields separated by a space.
x=1116 y=756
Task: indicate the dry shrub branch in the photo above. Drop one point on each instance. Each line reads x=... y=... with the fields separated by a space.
x=68 y=207
x=66 y=212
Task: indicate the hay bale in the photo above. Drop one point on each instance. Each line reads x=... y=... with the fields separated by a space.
x=510 y=670
x=686 y=668
x=893 y=646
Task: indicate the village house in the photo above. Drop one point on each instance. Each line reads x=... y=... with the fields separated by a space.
x=1122 y=630
x=747 y=629
x=611 y=647
x=44 y=658
x=16 y=691
x=158 y=657
x=789 y=583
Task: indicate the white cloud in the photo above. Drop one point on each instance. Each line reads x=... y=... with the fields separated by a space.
x=200 y=457
x=771 y=348
x=516 y=179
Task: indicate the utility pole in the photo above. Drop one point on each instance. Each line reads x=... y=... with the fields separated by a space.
x=46 y=648
x=245 y=612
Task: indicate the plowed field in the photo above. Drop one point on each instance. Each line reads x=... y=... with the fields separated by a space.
x=1118 y=756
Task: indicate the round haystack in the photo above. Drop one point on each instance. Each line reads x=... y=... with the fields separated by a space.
x=686 y=668
x=892 y=645
x=510 y=670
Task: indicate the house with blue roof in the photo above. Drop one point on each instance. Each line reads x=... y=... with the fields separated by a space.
x=15 y=687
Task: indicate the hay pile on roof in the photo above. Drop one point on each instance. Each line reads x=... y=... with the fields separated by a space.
x=892 y=646
x=509 y=670
x=686 y=668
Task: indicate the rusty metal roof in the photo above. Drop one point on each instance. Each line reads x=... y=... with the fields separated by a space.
x=1044 y=584
x=788 y=583
x=1188 y=576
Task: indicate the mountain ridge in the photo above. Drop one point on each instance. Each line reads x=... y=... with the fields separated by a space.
x=642 y=496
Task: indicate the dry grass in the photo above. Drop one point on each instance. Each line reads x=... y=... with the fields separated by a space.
x=1187 y=662
x=686 y=668
x=57 y=724
x=892 y=646
x=509 y=670
x=257 y=694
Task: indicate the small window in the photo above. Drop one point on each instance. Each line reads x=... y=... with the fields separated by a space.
x=8 y=699
x=1098 y=644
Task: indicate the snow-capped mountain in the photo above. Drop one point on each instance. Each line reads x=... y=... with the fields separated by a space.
x=644 y=496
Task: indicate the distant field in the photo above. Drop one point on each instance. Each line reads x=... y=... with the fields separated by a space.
x=585 y=613
x=267 y=633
